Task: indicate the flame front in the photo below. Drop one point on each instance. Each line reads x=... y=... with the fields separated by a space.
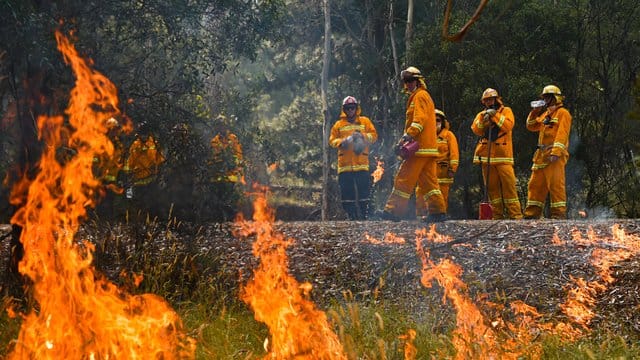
x=581 y=299
x=80 y=314
x=298 y=330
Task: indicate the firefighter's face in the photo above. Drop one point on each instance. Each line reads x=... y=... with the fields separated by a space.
x=489 y=102
x=411 y=83
x=350 y=109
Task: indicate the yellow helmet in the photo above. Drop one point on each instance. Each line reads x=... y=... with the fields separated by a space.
x=441 y=114
x=112 y=123
x=552 y=90
x=489 y=93
x=411 y=73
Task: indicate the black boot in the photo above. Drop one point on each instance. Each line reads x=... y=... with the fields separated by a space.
x=351 y=210
x=364 y=209
x=435 y=218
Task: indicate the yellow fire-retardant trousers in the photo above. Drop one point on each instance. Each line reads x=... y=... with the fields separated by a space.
x=420 y=171
x=502 y=191
x=548 y=180
x=444 y=182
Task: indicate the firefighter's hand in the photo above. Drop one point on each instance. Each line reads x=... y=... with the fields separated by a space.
x=345 y=143
x=406 y=138
x=536 y=111
x=553 y=158
x=450 y=173
x=490 y=112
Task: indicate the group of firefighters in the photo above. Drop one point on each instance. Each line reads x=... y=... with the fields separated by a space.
x=430 y=157
x=132 y=172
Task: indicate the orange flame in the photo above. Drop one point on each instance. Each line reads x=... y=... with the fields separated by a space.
x=582 y=298
x=271 y=168
x=389 y=238
x=410 y=350
x=378 y=172
x=298 y=330
x=80 y=314
x=473 y=339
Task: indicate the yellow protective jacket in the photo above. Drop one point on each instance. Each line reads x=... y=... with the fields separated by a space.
x=502 y=145
x=553 y=137
x=223 y=146
x=348 y=160
x=420 y=122
x=144 y=160
x=108 y=167
x=448 y=153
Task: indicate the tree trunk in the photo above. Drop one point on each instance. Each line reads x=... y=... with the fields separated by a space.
x=394 y=52
x=408 y=34
x=325 y=110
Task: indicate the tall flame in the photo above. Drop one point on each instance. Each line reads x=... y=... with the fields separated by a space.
x=473 y=339
x=80 y=314
x=298 y=330
x=378 y=172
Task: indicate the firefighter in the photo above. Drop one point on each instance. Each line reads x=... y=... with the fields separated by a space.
x=107 y=168
x=142 y=165
x=351 y=135
x=226 y=154
x=227 y=166
x=448 y=160
x=420 y=168
x=552 y=122
x=495 y=123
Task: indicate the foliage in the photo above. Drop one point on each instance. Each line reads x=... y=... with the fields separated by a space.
x=258 y=63
x=161 y=54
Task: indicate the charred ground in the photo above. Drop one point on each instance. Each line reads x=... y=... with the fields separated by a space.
x=502 y=261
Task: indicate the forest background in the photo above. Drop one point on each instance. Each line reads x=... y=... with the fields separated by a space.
x=259 y=64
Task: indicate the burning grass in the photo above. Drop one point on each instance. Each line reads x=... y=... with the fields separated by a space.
x=371 y=292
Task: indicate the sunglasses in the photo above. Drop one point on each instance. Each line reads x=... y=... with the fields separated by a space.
x=406 y=81
x=350 y=107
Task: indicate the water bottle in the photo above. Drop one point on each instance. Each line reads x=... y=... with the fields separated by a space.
x=537 y=103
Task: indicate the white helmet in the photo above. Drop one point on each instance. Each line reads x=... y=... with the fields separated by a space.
x=349 y=100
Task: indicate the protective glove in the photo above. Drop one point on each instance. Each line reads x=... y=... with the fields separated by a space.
x=490 y=112
x=346 y=142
